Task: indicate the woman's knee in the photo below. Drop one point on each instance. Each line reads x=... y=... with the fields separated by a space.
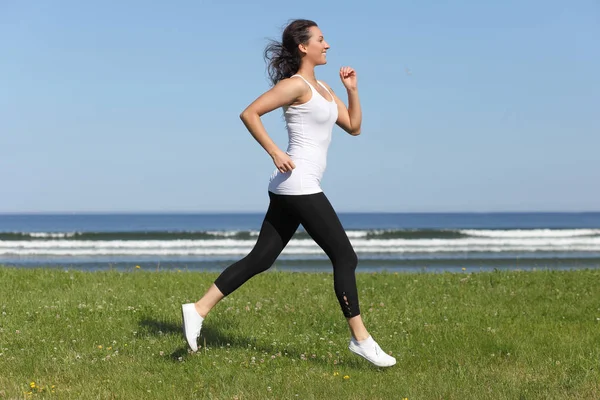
x=348 y=260
x=262 y=259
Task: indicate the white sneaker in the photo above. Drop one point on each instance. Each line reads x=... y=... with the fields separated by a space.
x=192 y=324
x=370 y=350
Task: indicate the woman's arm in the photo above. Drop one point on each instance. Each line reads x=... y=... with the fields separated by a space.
x=285 y=92
x=349 y=118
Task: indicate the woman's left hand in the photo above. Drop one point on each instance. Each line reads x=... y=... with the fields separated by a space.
x=348 y=77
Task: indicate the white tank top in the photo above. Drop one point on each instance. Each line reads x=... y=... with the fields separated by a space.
x=309 y=127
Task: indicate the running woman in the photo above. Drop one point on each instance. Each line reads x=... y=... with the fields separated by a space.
x=311 y=108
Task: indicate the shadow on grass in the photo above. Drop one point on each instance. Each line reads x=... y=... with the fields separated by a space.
x=155 y=327
x=214 y=338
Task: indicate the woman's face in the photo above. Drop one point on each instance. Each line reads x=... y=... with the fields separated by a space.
x=316 y=48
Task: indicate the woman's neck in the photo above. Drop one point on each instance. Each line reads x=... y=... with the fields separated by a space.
x=307 y=72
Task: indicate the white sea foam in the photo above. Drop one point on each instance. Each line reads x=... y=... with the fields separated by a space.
x=223 y=233
x=136 y=244
x=51 y=234
x=289 y=250
x=559 y=242
x=528 y=242
x=357 y=234
x=531 y=233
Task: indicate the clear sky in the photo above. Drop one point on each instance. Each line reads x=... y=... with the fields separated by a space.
x=134 y=105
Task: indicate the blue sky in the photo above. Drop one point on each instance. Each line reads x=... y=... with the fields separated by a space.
x=133 y=106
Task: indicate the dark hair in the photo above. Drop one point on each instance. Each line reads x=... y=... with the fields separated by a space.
x=283 y=58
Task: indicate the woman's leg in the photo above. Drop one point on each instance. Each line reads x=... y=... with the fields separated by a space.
x=277 y=229
x=321 y=222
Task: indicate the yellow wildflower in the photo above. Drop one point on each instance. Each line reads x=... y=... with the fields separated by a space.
x=346 y=377
x=137 y=267
x=32 y=385
x=464 y=269
x=336 y=373
x=100 y=346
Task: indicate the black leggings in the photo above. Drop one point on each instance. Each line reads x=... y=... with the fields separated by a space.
x=317 y=216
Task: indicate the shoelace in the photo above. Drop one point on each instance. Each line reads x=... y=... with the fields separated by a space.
x=377 y=349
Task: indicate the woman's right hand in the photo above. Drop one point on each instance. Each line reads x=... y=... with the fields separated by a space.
x=283 y=162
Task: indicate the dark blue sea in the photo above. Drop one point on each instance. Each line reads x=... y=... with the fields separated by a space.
x=431 y=242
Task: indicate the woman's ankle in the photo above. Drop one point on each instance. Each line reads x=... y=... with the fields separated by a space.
x=203 y=312
x=360 y=337
x=357 y=328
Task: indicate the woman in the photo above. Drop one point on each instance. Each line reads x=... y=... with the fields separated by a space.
x=311 y=109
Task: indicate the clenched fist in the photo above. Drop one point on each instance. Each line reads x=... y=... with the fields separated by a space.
x=283 y=162
x=348 y=77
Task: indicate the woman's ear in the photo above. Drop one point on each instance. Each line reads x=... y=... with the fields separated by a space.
x=302 y=48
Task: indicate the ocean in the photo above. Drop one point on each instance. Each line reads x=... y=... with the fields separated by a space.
x=428 y=242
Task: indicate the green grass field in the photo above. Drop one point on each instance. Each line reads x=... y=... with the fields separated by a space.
x=105 y=335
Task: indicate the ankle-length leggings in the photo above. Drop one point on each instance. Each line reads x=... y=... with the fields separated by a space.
x=319 y=219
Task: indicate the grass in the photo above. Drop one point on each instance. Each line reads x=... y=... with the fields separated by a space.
x=104 y=335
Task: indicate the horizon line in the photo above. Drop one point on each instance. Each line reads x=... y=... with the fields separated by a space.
x=183 y=212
